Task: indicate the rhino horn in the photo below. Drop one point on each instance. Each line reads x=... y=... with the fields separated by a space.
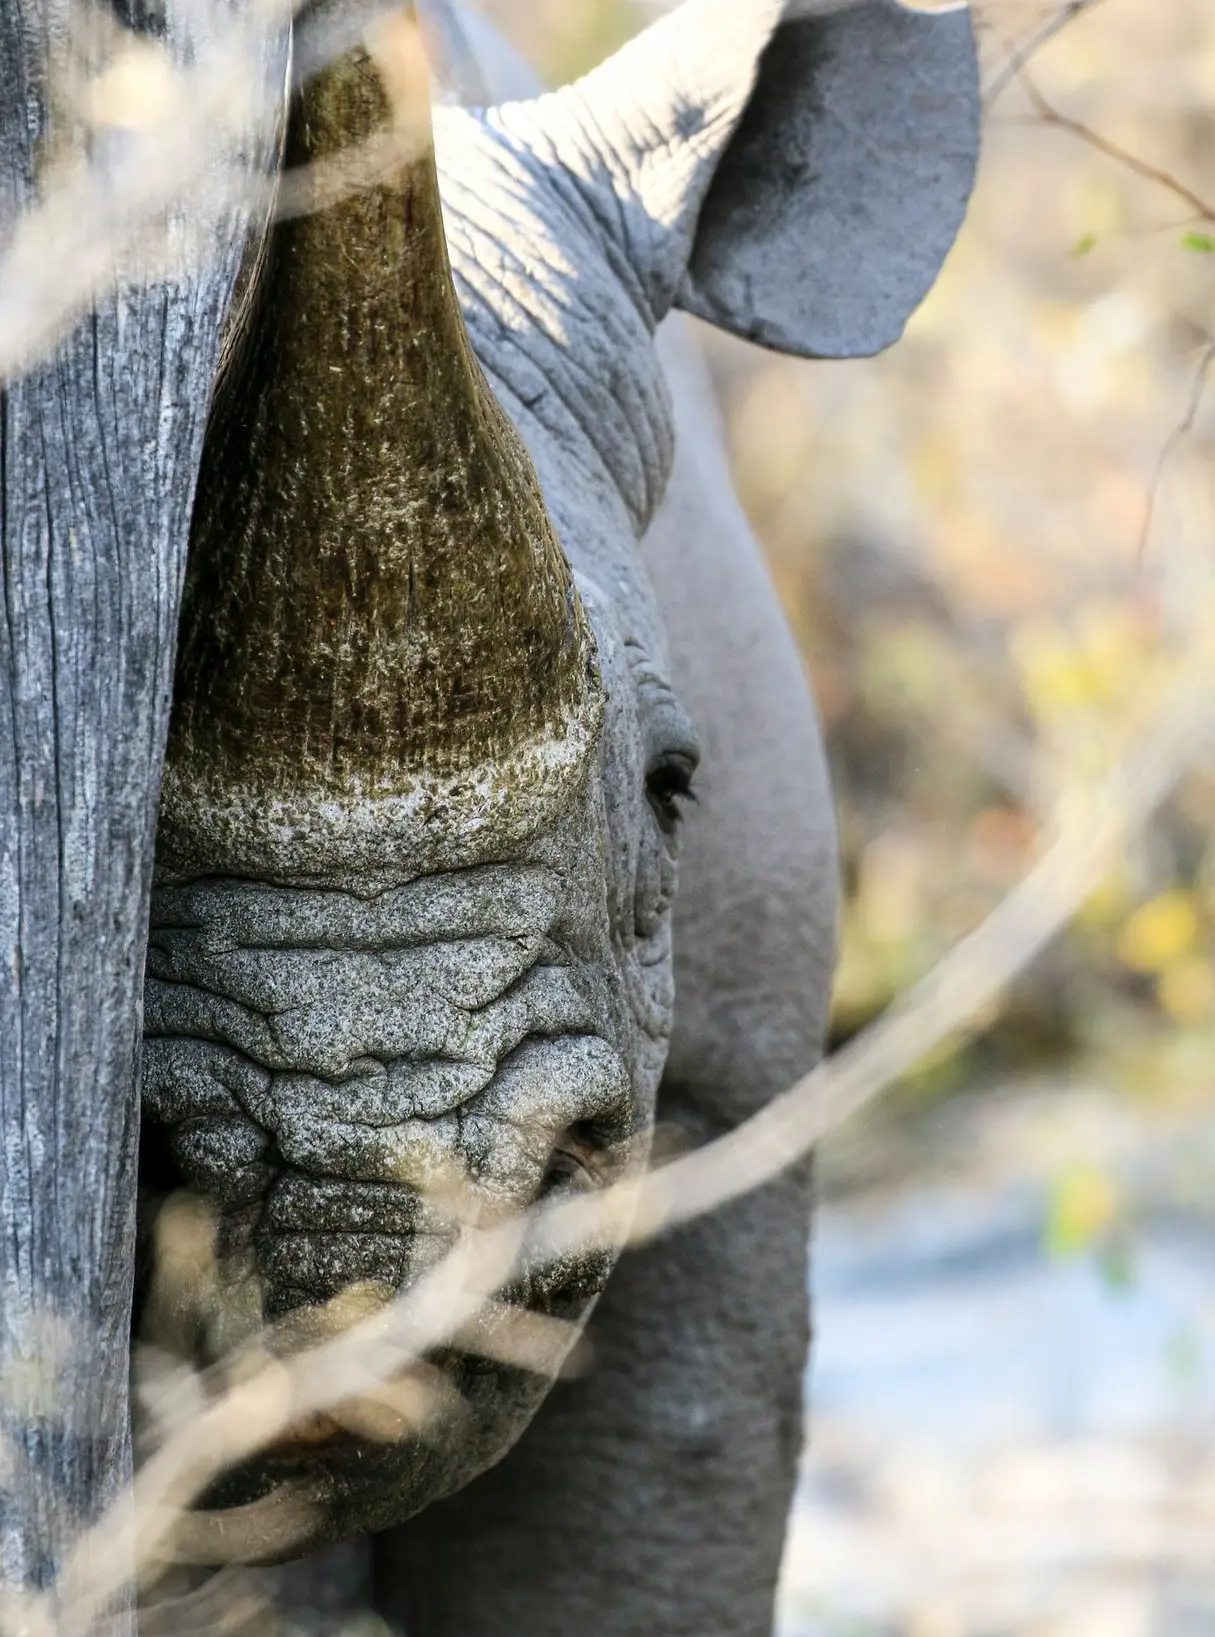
x=375 y=591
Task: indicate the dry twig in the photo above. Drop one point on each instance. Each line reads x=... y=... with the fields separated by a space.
x=1048 y=114
x=256 y=1412
x=1180 y=432
x=1019 y=56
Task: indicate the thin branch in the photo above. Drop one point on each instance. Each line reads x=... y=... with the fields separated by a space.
x=1177 y=436
x=1019 y=56
x=1050 y=115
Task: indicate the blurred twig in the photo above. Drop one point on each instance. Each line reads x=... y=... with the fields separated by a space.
x=1048 y=114
x=457 y=1295
x=1019 y=56
x=159 y=157
x=148 y=155
x=257 y=1412
x=1180 y=432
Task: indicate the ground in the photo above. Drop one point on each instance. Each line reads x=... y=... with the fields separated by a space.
x=1012 y=1427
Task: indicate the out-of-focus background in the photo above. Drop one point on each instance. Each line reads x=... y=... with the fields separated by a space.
x=992 y=543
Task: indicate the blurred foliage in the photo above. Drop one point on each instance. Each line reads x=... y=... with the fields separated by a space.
x=992 y=539
x=1084 y=1211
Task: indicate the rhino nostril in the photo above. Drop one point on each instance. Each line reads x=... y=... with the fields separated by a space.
x=581 y=1160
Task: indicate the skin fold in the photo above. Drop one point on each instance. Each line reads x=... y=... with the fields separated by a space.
x=410 y=970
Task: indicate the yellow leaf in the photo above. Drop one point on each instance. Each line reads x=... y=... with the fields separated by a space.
x=1083 y=1206
x=1186 y=988
x=1160 y=931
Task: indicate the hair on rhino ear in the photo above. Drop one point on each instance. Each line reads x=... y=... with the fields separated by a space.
x=794 y=171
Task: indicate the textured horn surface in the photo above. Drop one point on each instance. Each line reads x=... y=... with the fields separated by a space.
x=375 y=591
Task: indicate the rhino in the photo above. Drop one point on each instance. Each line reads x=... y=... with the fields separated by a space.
x=495 y=832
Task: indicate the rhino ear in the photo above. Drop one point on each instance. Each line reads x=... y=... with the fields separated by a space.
x=792 y=170
x=844 y=184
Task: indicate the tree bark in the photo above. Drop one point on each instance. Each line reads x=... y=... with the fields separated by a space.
x=99 y=449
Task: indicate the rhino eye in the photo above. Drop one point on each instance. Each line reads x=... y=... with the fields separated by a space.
x=668 y=784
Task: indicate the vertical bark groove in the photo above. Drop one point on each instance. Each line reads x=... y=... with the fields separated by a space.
x=99 y=450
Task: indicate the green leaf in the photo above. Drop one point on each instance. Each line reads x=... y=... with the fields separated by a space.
x=1117 y=1266
x=1082 y=246
x=1081 y=1211
x=1185 y=1355
x=1203 y=243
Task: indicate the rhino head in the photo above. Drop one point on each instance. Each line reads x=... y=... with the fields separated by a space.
x=410 y=958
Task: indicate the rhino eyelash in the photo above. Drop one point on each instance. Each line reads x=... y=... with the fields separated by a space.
x=668 y=785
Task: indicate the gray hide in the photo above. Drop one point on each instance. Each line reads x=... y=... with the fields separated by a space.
x=99 y=449
x=650 y=1495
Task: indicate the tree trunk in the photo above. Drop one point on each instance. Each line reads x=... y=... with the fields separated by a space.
x=99 y=450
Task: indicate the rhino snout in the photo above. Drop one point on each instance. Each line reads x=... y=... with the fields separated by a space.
x=349 y=1087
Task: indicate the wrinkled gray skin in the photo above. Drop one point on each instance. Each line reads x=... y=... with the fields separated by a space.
x=324 y=1052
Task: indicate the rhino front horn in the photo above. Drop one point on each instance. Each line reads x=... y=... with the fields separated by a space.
x=379 y=626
